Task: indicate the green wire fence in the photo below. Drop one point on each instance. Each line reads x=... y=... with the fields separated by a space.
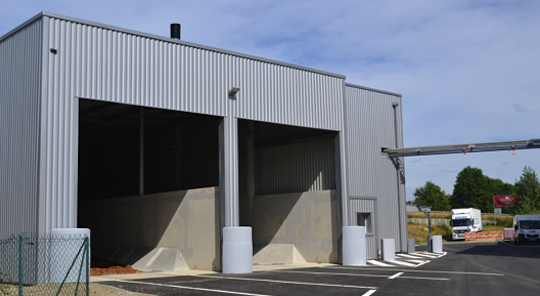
x=45 y=264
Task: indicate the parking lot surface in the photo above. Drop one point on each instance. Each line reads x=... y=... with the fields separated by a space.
x=464 y=269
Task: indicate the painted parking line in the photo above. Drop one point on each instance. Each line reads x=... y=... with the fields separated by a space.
x=331 y=273
x=424 y=278
x=428 y=256
x=370 y=292
x=401 y=263
x=286 y=282
x=192 y=288
x=365 y=275
x=395 y=275
x=408 y=256
x=379 y=263
x=419 y=261
x=422 y=271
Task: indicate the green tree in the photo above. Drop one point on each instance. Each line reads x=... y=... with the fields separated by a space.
x=433 y=196
x=469 y=189
x=528 y=191
x=475 y=190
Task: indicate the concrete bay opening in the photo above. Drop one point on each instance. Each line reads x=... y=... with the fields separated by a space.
x=287 y=192
x=148 y=186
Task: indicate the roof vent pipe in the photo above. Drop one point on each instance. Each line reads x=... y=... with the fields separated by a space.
x=175 y=31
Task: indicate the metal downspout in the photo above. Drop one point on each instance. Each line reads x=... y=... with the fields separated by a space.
x=394 y=106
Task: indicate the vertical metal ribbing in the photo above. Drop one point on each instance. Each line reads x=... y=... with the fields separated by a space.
x=229 y=171
x=141 y=152
x=343 y=163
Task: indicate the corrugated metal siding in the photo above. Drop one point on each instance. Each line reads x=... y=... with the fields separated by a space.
x=20 y=59
x=358 y=205
x=298 y=167
x=103 y=64
x=119 y=67
x=370 y=126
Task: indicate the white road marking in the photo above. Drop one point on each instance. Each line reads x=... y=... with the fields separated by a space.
x=375 y=262
x=362 y=274
x=425 y=262
x=408 y=256
x=419 y=261
x=370 y=292
x=427 y=256
x=423 y=271
x=395 y=275
x=401 y=263
x=192 y=288
x=424 y=278
x=285 y=282
x=331 y=273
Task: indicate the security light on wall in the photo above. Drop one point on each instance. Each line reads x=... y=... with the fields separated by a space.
x=233 y=91
x=395 y=104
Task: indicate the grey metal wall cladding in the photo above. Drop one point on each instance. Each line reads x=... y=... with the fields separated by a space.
x=298 y=167
x=20 y=59
x=126 y=68
x=365 y=206
x=105 y=64
x=370 y=126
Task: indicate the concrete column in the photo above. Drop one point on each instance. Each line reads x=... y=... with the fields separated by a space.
x=237 y=241
x=354 y=245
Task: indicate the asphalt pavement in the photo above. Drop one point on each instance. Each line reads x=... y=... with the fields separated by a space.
x=492 y=268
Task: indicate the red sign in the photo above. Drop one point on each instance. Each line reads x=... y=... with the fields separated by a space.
x=502 y=201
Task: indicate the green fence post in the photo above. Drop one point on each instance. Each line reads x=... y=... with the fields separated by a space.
x=87 y=266
x=20 y=266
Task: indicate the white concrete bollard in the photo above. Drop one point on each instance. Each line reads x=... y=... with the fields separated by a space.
x=411 y=246
x=388 y=249
x=436 y=244
x=237 y=250
x=61 y=257
x=354 y=245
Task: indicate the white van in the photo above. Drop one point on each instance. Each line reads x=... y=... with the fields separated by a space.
x=526 y=229
x=465 y=221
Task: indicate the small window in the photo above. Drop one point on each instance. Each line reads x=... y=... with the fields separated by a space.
x=364 y=219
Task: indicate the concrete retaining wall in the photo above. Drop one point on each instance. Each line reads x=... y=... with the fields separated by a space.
x=187 y=220
x=308 y=220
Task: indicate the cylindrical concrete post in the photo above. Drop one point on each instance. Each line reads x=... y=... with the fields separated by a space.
x=63 y=253
x=436 y=244
x=237 y=250
x=354 y=245
x=388 y=249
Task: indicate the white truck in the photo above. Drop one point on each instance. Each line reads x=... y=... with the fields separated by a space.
x=464 y=221
x=526 y=229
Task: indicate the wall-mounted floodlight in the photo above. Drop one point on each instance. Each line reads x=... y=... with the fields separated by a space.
x=395 y=104
x=233 y=91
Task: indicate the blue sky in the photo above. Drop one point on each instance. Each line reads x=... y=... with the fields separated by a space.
x=469 y=71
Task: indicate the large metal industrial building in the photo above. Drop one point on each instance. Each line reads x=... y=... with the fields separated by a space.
x=157 y=144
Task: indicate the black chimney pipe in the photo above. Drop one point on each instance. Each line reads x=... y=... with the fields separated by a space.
x=175 y=31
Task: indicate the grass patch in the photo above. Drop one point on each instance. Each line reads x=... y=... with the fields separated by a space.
x=503 y=221
x=420 y=232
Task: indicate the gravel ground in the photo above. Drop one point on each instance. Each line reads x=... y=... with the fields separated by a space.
x=96 y=289
x=52 y=289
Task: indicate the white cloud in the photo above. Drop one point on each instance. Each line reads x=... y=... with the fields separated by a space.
x=468 y=70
